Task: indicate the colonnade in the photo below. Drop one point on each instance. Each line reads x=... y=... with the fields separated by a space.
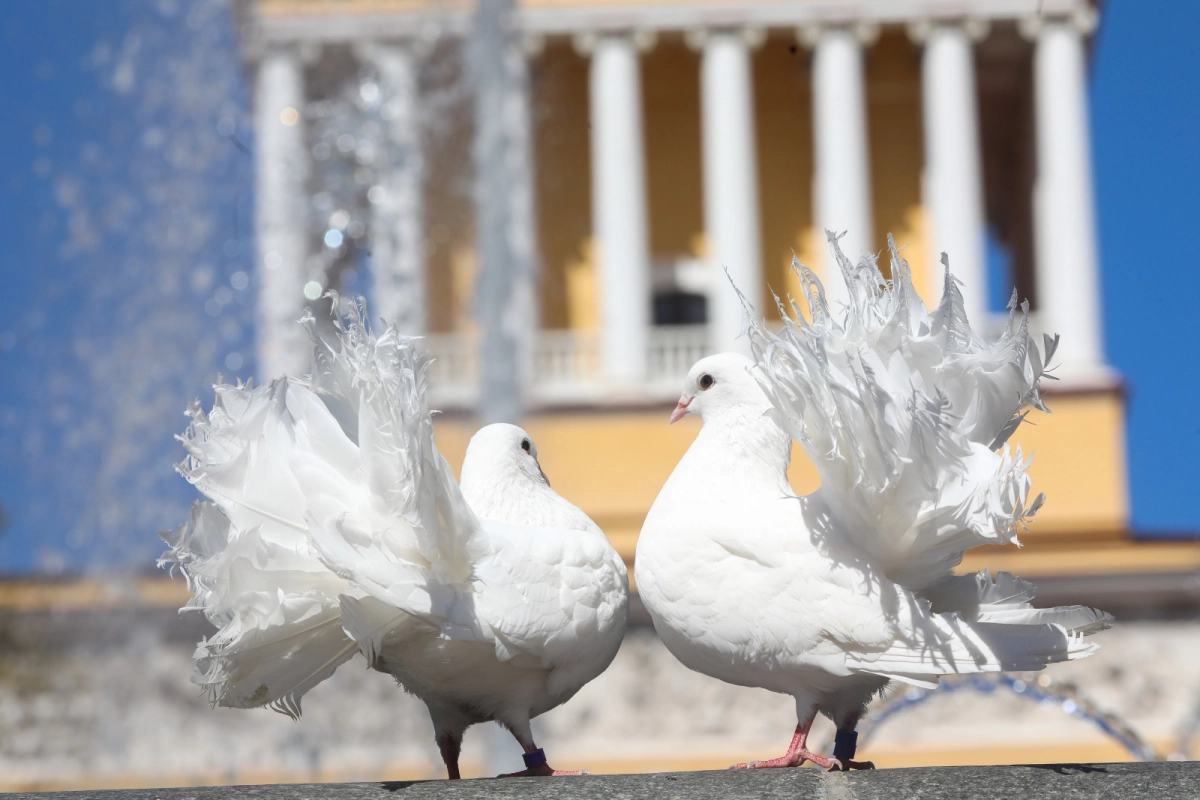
x=1064 y=226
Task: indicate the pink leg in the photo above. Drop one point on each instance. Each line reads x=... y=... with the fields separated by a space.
x=796 y=755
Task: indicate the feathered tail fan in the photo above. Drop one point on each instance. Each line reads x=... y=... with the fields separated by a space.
x=905 y=414
x=323 y=491
x=376 y=387
x=247 y=559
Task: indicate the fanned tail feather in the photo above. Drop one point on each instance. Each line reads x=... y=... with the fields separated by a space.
x=380 y=383
x=323 y=492
x=279 y=633
x=905 y=415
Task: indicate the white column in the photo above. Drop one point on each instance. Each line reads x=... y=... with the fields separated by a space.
x=842 y=164
x=953 y=172
x=281 y=214
x=619 y=206
x=1064 y=224
x=398 y=292
x=731 y=219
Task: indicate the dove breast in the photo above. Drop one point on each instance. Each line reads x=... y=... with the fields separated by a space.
x=745 y=598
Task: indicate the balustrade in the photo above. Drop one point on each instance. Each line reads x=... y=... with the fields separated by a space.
x=568 y=366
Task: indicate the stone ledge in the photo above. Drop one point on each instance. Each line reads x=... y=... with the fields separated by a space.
x=1178 y=780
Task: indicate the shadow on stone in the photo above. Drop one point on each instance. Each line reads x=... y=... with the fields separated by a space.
x=1070 y=769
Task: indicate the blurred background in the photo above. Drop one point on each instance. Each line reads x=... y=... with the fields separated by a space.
x=548 y=192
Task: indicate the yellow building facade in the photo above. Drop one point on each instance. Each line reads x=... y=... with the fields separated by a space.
x=603 y=436
x=665 y=141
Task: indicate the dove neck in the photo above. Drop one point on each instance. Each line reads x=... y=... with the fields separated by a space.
x=519 y=499
x=743 y=451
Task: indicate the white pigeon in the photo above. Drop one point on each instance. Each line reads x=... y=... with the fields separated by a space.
x=336 y=528
x=828 y=597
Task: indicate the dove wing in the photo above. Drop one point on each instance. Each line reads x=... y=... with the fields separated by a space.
x=548 y=593
x=932 y=645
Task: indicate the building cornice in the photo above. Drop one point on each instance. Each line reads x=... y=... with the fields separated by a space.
x=355 y=20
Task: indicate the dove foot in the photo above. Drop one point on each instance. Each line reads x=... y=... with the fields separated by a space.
x=792 y=759
x=536 y=766
x=543 y=771
x=797 y=752
x=845 y=745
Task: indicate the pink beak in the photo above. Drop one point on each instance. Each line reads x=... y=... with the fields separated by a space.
x=681 y=409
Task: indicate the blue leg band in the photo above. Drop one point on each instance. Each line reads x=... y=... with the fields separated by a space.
x=535 y=759
x=845 y=744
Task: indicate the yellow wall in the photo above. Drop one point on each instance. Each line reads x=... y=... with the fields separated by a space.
x=562 y=154
x=783 y=122
x=897 y=154
x=1079 y=462
x=450 y=265
x=674 y=175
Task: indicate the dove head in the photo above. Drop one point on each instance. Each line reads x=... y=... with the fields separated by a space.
x=501 y=453
x=720 y=385
x=502 y=481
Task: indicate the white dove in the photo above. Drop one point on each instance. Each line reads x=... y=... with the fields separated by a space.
x=335 y=528
x=829 y=597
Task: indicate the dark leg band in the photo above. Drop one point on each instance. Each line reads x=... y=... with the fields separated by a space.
x=845 y=744
x=535 y=759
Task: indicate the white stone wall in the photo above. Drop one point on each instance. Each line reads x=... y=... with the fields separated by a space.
x=127 y=715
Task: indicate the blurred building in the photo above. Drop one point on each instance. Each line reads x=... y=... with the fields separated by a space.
x=653 y=145
x=670 y=141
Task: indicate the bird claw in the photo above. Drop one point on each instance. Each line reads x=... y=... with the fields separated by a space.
x=770 y=764
x=543 y=771
x=790 y=760
x=845 y=766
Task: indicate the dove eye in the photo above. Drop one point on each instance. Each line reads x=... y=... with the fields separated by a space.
x=526 y=446
x=706 y=381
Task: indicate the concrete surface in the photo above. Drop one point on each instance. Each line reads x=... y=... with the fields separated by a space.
x=1160 y=781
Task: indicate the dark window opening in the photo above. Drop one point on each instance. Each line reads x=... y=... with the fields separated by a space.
x=680 y=308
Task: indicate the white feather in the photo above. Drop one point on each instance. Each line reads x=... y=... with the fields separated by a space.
x=336 y=527
x=905 y=415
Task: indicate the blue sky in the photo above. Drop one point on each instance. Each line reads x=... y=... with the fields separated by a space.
x=125 y=197
x=125 y=194
x=1146 y=129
